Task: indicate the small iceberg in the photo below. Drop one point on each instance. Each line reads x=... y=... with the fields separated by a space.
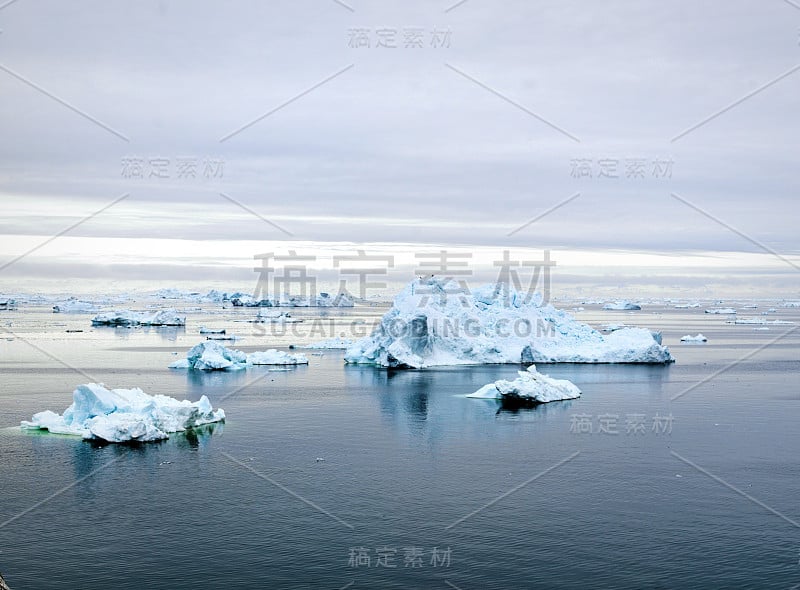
x=530 y=388
x=622 y=306
x=165 y=317
x=7 y=304
x=698 y=338
x=721 y=310
x=210 y=356
x=124 y=415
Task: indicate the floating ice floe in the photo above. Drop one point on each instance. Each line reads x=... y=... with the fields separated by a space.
x=7 y=304
x=165 y=317
x=433 y=322
x=698 y=338
x=74 y=305
x=210 y=356
x=204 y=330
x=686 y=306
x=124 y=415
x=276 y=357
x=759 y=322
x=272 y=316
x=721 y=310
x=332 y=344
x=622 y=306
x=321 y=300
x=530 y=388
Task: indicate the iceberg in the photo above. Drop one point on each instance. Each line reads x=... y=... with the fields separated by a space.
x=74 y=305
x=7 y=304
x=210 y=356
x=530 y=388
x=698 y=338
x=432 y=323
x=165 y=317
x=721 y=310
x=622 y=306
x=124 y=415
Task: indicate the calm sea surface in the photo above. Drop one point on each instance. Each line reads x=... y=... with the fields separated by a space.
x=333 y=476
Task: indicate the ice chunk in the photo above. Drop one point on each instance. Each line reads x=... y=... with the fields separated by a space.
x=433 y=322
x=204 y=330
x=622 y=306
x=721 y=310
x=531 y=387
x=210 y=356
x=124 y=415
x=698 y=338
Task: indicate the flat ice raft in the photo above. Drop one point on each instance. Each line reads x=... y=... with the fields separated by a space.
x=211 y=356
x=124 y=415
x=530 y=388
x=431 y=324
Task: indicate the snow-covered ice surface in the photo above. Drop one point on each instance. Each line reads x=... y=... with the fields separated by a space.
x=431 y=324
x=531 y=387
x=690 y=338
x=165 y=317
x=721 y=310
x=332 y=344
x=211 y=356
x=124 y=415
x=622 y=306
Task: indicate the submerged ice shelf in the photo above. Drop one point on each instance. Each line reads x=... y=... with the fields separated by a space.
x=124 y=415
x=432 y=323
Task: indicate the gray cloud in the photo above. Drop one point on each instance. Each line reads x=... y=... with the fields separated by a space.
x=400 y=137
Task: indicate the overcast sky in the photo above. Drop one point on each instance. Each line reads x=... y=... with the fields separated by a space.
x=484 y=116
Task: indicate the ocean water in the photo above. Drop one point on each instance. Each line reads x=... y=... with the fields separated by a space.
x=333 y=476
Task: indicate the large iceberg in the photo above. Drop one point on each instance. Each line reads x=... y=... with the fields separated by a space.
x=211 y=356
x=431 y=323
x=530 y=388
x=165 y=317
x=124 y=415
